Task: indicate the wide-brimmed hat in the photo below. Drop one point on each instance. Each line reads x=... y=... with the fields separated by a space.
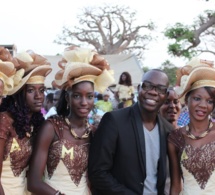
x=196 y=74
x=82 y=64
x=32 y=69
x=7 y=70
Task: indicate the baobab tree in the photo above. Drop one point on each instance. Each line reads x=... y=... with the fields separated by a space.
x=109 y=29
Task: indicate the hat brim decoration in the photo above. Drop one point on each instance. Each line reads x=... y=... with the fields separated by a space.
x=82 y=64
x=7 y=70
x=33 y=68
x=198 y=73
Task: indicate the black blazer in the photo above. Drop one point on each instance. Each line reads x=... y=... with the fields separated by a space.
x=117 y=161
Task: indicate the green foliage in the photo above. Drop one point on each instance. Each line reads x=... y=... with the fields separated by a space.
x=190 y=40
x=170 y=70
x=183 y=36
x=145 y=68
x=176 y=50
x=179 y=32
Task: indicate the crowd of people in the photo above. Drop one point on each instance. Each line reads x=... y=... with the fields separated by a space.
x=89 y=140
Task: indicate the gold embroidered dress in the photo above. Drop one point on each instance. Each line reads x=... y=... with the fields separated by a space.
x=67 y=162
x=197 y=165
x=125 y=92
x=15 y=159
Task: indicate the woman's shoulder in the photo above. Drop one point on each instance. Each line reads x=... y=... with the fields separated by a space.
x=56 y=118
x=6 y=122
x=5 y=117
x=177 y=132
x=176 y=136
x=5 y=114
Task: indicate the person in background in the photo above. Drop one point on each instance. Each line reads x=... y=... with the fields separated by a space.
x=60 y=158
x=56 y=97
x=191 y=148
x=129 y=148
x=104 y=104
x=52 y=111
x=125 y=90
x=96 y=114
x=7 y=72
x=99 y=97
x=184 y=117
x=48 y=103
x=170 y=110
x=115 y=102
x=20 y=119
x=123 y=104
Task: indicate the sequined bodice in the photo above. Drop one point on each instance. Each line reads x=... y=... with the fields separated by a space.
x=200 y=162
x=73 y=156
x=197 y=163
x=18 y=150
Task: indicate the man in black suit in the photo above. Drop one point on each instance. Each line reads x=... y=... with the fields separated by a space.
x=128 y=151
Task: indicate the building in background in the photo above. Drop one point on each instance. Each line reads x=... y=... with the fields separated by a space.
x=12 y=49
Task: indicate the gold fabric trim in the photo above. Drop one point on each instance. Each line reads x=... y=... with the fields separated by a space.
x=202 y=83
x=36 y=80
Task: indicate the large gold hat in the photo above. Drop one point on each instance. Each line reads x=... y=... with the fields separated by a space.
x=32 y=69
x=82 y=64
x=7 y=70
x=197 y=73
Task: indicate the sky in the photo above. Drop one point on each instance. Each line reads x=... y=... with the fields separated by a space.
x=34 y=25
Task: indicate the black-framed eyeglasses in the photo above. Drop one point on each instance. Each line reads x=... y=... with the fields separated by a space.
x=147 y=86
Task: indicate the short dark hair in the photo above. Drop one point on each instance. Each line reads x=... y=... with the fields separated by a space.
x=99 y=96
x=50 y=97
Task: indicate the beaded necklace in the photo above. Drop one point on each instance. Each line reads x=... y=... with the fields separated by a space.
x=190 y=135
x=74 y=134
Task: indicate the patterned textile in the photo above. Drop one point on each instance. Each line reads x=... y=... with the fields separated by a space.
x=197 y=165
x=67 y=163
x=183 y=119
x=17 y=153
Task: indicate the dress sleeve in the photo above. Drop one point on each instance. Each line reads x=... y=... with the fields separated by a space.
x=58 y=125
x=176 y=138
x=5 y=126
x=117 y=88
